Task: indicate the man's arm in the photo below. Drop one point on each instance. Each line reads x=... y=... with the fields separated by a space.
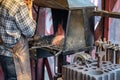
x=24 y=21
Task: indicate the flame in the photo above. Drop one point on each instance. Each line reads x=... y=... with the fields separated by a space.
x=60 y=30
x=59 y=35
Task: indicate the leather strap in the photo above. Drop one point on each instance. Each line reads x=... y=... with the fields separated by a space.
x=1 y=41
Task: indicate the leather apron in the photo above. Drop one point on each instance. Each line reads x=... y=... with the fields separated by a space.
x=22 y=60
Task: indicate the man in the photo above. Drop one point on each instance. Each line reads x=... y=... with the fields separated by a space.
x=16 y=25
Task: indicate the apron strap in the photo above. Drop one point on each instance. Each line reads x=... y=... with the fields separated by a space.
x=1 y=41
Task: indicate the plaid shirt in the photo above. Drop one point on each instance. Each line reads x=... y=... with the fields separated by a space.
x=14 y=22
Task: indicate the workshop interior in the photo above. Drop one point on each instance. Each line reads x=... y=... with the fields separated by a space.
x=75 y=40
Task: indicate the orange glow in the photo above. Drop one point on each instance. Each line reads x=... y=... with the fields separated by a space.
x=59 y=35
x=60 y=30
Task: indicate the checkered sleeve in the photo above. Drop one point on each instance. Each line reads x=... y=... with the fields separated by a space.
x=25 y=24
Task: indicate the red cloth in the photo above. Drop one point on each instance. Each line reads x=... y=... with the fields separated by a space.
x=1 y=74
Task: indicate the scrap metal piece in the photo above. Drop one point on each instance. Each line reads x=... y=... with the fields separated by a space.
x=82 y=58
x=115 y=49
x=100 y=56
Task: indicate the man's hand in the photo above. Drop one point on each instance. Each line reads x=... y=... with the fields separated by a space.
x=29 y=4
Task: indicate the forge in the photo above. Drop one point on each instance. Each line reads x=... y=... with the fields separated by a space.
x=76 y=21
x=73 y=24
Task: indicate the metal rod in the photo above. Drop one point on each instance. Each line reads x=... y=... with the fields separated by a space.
x=55 y=65
x=114 y=57
x=107 y=14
